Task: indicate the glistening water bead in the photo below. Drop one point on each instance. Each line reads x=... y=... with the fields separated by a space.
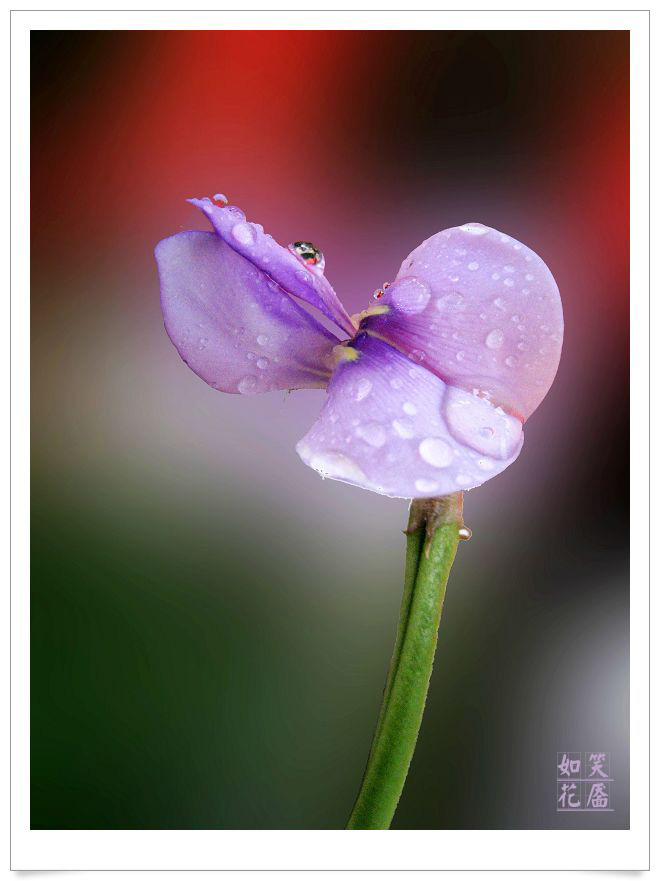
x=307 y=252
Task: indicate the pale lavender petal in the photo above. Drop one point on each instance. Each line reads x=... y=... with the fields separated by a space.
x=393 y=427
x=480 y=310
x=279 y=263
x=232 y=324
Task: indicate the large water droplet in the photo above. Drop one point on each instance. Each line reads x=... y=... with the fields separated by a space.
x=409 y=295
x=362 y=389
x=426 y=486
x=476 y=229
x=436 y=452
x=310 y=255
x=403 y=427
x=243 y=233
x=248 y=385
x=475 y=422
x=495 y=339
x=373 y=433
x=338 y=466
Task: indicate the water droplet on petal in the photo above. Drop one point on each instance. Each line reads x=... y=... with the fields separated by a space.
x=373 y=433
x=262 y=363
x=403 y=427
x=473 y=266
x=235 y=212
x=409 y=408
x=310 y=255
x=247 y=385
x=362 y=389
x=243 y=233
x=410 y=295
x=510 y=361
x=203 y=342
x=436 y=452
x=464 y=533
x=495 y=339
x=476 y=229
x=338 y=466
x=221 y=199
x=262 y=339
x=426 y=486
x=477 y=423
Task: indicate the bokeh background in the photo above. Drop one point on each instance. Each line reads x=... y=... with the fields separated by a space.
x=211 y=623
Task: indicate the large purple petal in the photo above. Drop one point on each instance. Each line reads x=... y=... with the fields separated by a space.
x=232 y=324
x=279 y=263
x=480 y=310
x=391 y=426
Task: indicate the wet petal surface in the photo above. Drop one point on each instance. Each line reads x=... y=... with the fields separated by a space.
x=281 y=264
x=232 y=324
x=392 y=426
x=481 y=311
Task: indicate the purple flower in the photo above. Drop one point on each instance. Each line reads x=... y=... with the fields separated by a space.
x=428 y=388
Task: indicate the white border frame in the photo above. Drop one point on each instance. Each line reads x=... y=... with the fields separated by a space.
x=331 y=850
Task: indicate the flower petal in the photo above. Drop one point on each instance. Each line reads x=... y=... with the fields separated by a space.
x=279 y=263
x=391 y=426
x=234 y=326
x=479 y=309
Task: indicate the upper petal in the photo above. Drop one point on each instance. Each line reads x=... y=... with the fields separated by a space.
x=232 y=324
x=279 y=263
x=393 y=427
x=480 y=310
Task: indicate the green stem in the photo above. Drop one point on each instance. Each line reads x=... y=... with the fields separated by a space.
x=433 y=536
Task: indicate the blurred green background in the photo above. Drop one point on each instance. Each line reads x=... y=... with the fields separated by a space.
x=211 y=623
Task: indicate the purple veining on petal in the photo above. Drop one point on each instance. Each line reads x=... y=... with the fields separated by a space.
x=232 y=324
x=392 y=426
x=291 y=273
x=481 y=311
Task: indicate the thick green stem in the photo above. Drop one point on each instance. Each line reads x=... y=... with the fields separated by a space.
x=433 y=536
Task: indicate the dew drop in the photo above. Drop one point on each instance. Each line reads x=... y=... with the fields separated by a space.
x=436 y=452
x=247 y=385
x=473 y=266
x=409 y=408
x=426 y=486
x=475 y=229
x=262 y=363
x=510 y=361
x=495 y=339
x=338 y=466
x=307 y=252
x=203 y=342
x=373 y=433
x=221 y=199
x=464 y=533
x=460 y=356
x=410 y=295
x=477 y=423
x=450 y=301
x=262 y=339
x=508 y=282
x=499 y=303
x=243 y=233
x=403 y=427
x=363 y=388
